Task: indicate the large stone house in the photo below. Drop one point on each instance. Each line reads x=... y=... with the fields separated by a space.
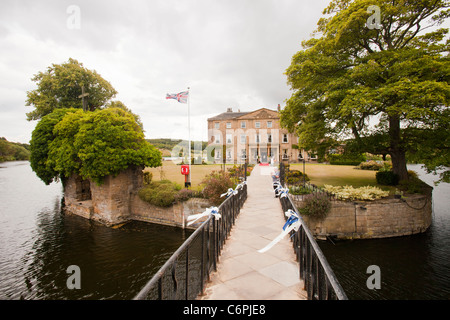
x=254 y=136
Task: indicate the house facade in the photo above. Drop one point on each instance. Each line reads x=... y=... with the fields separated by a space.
x=255 y=136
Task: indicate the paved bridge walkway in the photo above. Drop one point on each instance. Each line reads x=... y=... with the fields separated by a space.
x=242 y=272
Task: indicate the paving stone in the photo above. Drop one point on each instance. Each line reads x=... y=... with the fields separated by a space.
x=242 y=272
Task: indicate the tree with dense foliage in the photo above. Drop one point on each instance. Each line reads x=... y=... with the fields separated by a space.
x=91 y=144
x=41 y=137
x=103 y=140
x=61 y=86
x=385 y=88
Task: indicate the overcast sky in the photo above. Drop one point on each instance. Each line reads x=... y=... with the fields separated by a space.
x=231 y=53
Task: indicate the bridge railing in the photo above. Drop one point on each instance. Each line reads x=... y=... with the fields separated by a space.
x=185 y=273
x=319 y=280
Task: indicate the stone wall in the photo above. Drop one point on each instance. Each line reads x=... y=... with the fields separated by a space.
x=373 y=219
x=116 y=201
x=175 y=215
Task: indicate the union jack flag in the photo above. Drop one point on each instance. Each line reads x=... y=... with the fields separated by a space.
x=180 y=97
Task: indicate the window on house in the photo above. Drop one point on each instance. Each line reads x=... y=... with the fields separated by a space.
x=229 y=138
x=257 y=124
x=243 y=154
x=257 y=139
x=269 y=138
x=285 y=138
x=243 y=125
x=217 y=139
x=285 y=154
x=217 y=154
x=243 y=138
x=269 y=124
x=217 y=125
x=228 y=125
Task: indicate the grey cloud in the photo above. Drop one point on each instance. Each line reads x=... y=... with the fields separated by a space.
x=232 y=53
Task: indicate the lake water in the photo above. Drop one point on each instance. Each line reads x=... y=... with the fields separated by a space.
x=38 y=243
x=412 y=267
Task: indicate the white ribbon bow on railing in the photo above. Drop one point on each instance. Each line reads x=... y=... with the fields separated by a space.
x=292 y=223
x=229 y=193
x=281 y=192
x=240 y=185
x=284 y=192
x=210 y=211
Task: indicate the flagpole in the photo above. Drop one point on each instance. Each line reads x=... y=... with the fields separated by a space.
x=189 y=135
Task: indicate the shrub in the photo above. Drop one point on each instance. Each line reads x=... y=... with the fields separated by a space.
x=387 y=178
x=299 y=190
x=349 y=159
x=295 y=177
x=238 y=171
x=362 y=193
x=185 y=194
x=160 y=193
x=318 y=205
x=412 y=174
x=216 y=183
x=413 y=185
x=147 y=177
x=387 y=166
x=370 y=165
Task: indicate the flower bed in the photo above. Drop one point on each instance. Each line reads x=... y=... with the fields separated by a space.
x=363 y=193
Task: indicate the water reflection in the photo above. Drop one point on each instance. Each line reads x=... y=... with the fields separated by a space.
x=412 y=267
x=39 y=242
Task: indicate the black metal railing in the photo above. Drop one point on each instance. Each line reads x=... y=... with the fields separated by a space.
x=185 y=273
x=318 y=278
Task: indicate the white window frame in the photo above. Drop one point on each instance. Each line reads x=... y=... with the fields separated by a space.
x=269 y=124
x=285 y=135
x=257 y=138
x=216 y=125
x=257 y=124
x=216 y=139
x=229 y=138
x=228 y=125
x=243 y=125
x=243 y=138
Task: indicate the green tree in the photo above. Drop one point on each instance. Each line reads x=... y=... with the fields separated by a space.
x=11 y=151
x=352 y=81
x=61 y=85
x=41 y=137
x=121 y=105
x=92 y=144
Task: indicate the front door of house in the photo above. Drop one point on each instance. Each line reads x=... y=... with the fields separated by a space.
x=264 y=156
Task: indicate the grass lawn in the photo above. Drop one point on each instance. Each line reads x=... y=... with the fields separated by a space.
x=172 y=172
x=321 y=174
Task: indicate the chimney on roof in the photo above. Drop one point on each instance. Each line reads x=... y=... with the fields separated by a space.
x=229 y=110
x=278 y=108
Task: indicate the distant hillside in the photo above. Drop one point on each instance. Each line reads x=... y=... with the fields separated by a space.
x=11 y=151
x=168 y=144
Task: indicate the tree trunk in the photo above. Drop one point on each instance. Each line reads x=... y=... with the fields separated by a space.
x=397 y=151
